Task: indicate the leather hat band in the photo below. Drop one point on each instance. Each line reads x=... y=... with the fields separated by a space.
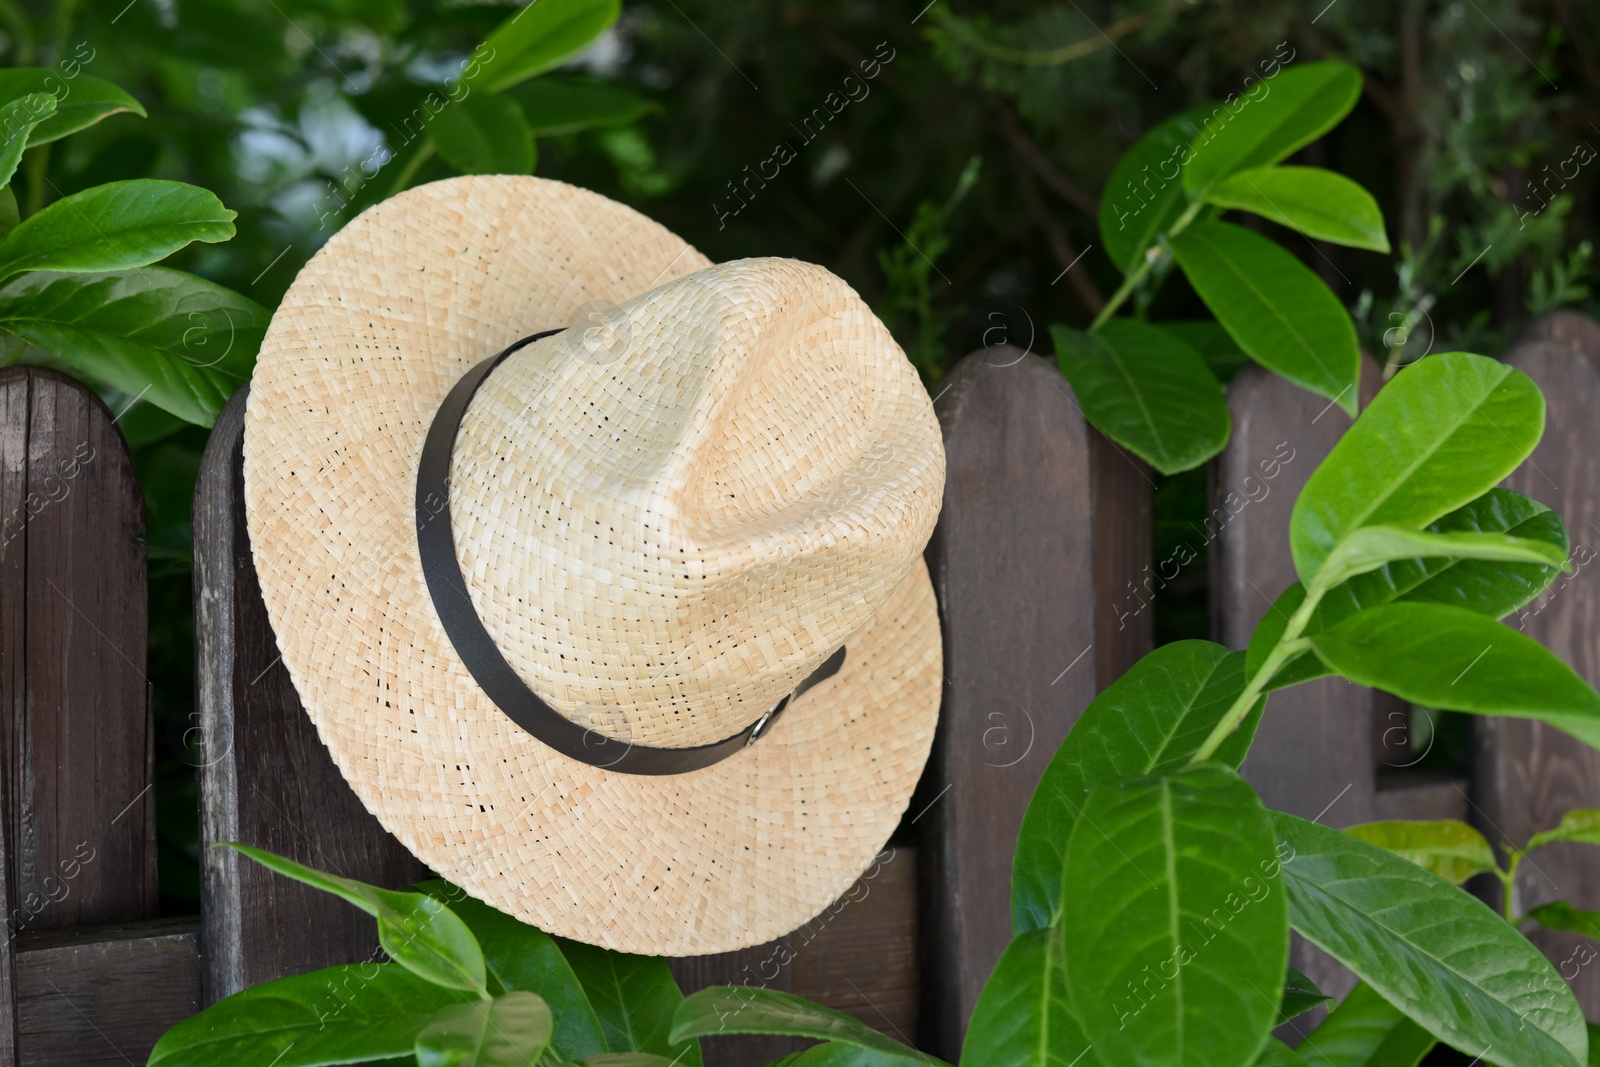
x=441 y=569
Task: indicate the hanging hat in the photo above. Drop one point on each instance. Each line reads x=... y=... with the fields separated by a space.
x=598 y=566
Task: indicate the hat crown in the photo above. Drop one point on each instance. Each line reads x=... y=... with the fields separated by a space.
x=670 y=514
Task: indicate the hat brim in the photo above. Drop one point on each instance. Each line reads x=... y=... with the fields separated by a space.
x=375 y=330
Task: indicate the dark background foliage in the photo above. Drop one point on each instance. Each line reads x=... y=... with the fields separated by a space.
x=953 y=188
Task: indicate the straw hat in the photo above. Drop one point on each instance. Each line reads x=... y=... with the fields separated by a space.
x=627 y=633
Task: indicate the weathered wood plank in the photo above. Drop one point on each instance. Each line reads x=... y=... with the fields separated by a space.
x=265 y=777
x=77 y=836
x=1013 y=568
x=1529 y=775
x=1314 y=752
x=104 y=995
x=1123 y=551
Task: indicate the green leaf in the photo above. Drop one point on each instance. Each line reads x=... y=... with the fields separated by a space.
x=1366 y=1031
x=508 y=1031
x=1149 y=721
x=346 y=1014
x=1300 y=995
x=1492 y=589
x=1281 y=313
x=839 y=1054
x=627 y=1059
x=1146 y=390
x=81 y=101
x=1580 y=824
x=1559 y=915
x=9 y=217
x=537 y=38
x=114 y=227
x=1370 y=547
x=1442 y=433
x=484 y=134
x=1448 y=848
x=1277 y=1054
x=751 y=1010
x=1299 y=105
x=1594 y=1045
x=1178 y=928
x=176 y=341
x=417 y=931
x=524 y=958
x=1215 y=345
x=1429 y=948
x=1317 y=202
x=17 y=120
x=1457 y=660
x=1144 y=195
x=1022 y=1018
x=554 y=106
x=635 y=998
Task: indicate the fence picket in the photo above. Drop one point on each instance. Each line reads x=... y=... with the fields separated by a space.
x=1013 y=567
x=1527 y=774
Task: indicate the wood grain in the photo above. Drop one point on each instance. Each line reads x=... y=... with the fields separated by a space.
x=104 y=995
x=78 y=829
x=1013 y=569
x=1527 y=774
x=265 y=777
x=1313 y=755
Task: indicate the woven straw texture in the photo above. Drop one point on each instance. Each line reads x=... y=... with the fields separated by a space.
x=667 y=516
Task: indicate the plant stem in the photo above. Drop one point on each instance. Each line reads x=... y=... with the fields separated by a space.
x=1290 y=644
x=1139 y=273
x=423 y=153
x=1508 y=886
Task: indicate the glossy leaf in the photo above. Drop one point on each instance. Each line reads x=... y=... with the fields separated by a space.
x=1370 y=547
x=1366 y=1031
x=1277 y=1054
x=1317 y=202
x=1429 y=948
x=519 y=957
x=539 y=37
x=347 y=1014
x=1215 y=345
x=417 y=931
x=839 y=1054
x=509 y=1031
x=1300 y=104
x=81 y=101
x=9 y=217
x=1448 y=848
x=1457 y=660
x=1300 y=995
x=1177 y=921
x=484 y=134
x=634 y=998
x=17 y=121
x=1022 y=1018
x=1559 y=915
x=176 y=341
x=554 y=106
x=1149 y=721
x=1144 y=195
x=1594 y=1045
x=753 y=1010
x=1492 y=589
x=1581 y=825
x=114 y=227
x=1147 y=391
x=627 y=1059
x=1440 y=434
x=1283 y=316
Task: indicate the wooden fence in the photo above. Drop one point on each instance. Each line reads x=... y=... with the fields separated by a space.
x=1045 y=533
